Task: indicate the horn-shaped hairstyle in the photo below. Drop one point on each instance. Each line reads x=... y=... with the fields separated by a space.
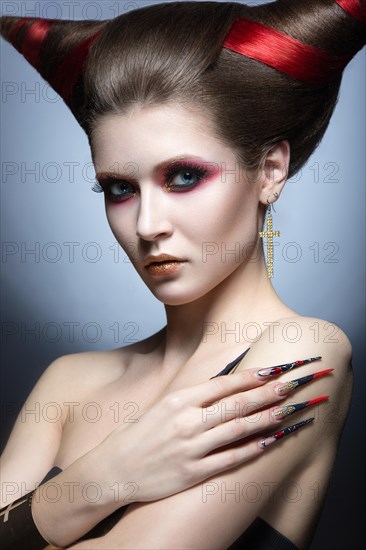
x=283 y=85
x=58 y=49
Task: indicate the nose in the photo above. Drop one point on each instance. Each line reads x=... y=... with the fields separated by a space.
x=153 y=221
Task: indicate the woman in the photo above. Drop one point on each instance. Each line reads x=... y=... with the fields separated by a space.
x=153 y=212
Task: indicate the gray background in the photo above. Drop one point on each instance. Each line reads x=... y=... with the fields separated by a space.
x=66 y=286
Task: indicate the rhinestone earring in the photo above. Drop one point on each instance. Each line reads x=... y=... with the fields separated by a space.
x=269 y=234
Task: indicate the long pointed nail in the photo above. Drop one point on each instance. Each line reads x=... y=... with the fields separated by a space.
x=291 y=409
x=279 y=369
x=301 y=381
x=270 y=439
x=231 y=365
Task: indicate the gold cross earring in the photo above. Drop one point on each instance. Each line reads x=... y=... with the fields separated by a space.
x=269 y=234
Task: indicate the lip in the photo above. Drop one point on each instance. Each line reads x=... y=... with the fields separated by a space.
x=162 y=258
x=163 y=265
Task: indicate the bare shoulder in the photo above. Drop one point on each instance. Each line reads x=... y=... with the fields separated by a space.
x=298 y=338
x=92 y=369
x=303 y=335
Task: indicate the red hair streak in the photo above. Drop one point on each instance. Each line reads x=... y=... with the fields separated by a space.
x=68 y=72
x=30 y=46
x=284 y=53
x=354 y=8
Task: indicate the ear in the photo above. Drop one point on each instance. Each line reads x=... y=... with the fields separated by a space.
x=274 y=172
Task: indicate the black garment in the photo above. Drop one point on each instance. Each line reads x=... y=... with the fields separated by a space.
x=261 y=536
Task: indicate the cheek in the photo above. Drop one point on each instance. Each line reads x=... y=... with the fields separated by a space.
x=227 y=213
x=120 y=221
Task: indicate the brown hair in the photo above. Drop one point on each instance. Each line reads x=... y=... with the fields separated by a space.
x=173 y=52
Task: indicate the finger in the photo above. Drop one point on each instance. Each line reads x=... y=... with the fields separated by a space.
x=247 y=426
x=221 y=386
x=237 y=428
x=243 y=404
x=240 y=405
x=207 y=393
x=230 y=458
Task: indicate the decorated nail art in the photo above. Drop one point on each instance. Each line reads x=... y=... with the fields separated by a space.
x=293 y=384
x=270 y=439
x=231 y=366
x=279 y=369
x=290 y=409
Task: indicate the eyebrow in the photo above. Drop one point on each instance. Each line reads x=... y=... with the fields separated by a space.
x=186 y=158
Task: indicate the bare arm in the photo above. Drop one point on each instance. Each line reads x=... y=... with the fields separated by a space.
x=166 y=465
x=35 y=440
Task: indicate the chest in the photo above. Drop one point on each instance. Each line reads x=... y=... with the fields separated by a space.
x=92 y=418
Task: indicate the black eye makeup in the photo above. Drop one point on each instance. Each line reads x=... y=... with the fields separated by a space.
x=116 y=190
x=182 y=176
x=178 y=176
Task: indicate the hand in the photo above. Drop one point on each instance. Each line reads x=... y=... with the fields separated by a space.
x=180 y=441
x=171 y=446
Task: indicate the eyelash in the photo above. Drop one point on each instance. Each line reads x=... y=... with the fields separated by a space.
x=177 y=169
x=96 y=187
x=200 y=172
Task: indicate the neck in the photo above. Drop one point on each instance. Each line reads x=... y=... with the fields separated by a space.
x=232 y=315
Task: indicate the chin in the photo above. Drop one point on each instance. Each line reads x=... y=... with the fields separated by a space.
x=179 y=295
x=175 y=298
x=185 y=290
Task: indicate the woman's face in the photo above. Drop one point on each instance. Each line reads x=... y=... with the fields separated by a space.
x=176 y=199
